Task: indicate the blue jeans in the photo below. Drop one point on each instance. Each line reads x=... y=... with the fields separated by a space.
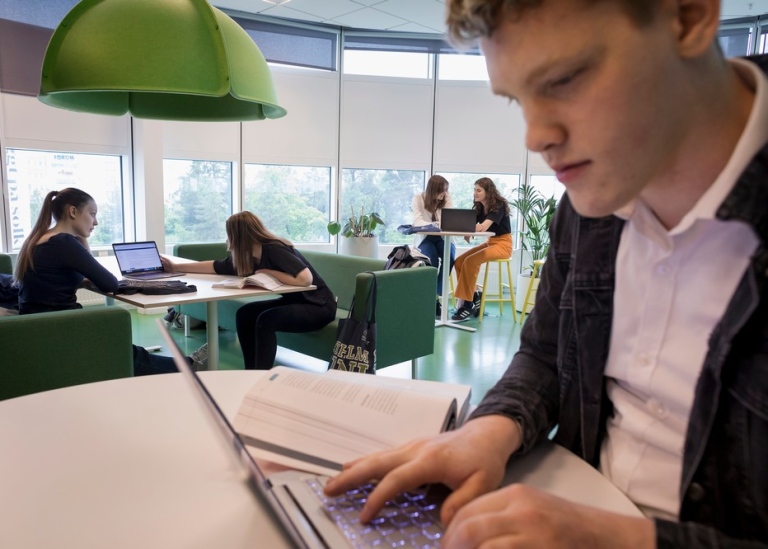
x=433 y=247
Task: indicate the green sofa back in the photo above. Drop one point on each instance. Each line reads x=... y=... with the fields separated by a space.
x=6 y=264
x=48 y=351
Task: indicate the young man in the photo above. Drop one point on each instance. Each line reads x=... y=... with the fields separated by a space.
x=648 y=345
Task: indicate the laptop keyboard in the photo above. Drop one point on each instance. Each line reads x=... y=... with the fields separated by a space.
x=412 y=519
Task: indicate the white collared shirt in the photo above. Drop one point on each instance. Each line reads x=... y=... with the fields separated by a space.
x=670 y=294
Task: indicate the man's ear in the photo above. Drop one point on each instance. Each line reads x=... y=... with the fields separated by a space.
x=697 y=22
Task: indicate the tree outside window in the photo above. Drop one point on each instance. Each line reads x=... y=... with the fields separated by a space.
x=198 y=200
x=386 y=192
x=292 y=201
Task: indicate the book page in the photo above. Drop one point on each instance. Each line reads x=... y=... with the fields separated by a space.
x=263 y=280
x=333 y=419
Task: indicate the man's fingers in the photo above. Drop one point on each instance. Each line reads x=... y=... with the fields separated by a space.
x=474 y=486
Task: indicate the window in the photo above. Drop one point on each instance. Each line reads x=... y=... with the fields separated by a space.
x=386 y=192
x=293 y=201
x=548 y=185
x=388 y=63
x=462 y=187
x=736 y=37
x=33 y=174
x=462 y=67
x=198 y=200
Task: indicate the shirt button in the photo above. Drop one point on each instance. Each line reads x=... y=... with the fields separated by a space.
x=696 y=492
x=662 y=269
x=643 y=359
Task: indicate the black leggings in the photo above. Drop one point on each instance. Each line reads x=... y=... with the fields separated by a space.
x=257 y=324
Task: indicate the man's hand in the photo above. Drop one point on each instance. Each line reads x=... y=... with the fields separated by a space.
x=471 y=461
x=522 y=516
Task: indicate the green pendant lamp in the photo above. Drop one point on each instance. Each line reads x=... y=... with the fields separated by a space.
x=162 y=59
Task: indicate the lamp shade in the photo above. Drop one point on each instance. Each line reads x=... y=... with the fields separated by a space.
x=163 y=59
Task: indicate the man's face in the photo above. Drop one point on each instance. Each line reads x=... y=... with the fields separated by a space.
x=600 y=96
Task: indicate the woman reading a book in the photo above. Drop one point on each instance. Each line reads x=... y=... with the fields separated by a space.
x=254 y=249
x=427 y=207
x=54 y=262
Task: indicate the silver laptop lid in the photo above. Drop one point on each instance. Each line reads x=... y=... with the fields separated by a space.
x=137 y=257
x=232 y=444
x=458 y=220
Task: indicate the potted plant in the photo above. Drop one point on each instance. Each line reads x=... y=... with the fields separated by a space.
x=359 y=238
x=536 y=213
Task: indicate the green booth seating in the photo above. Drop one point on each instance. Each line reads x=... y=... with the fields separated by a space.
x=405 y=306
x=48 y=351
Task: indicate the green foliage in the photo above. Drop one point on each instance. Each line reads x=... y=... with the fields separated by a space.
x=536 y=213
x=357 y=225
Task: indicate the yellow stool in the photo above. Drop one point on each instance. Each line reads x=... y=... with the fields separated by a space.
x=453 y=296
x=536 y=268
x=498 y=297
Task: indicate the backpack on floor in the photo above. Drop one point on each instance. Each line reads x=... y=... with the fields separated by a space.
x=403 y=257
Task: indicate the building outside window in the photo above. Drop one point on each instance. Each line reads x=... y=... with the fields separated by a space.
x=32 y=174
x=292 y=201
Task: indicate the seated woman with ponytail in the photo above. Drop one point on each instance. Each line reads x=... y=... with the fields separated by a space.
x=54 y=262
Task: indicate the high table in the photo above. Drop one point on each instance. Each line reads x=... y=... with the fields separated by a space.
x=447 y=235
x=133 y=463
x=205 y=294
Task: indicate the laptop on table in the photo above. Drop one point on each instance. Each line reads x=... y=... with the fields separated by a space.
x=294 y=499
x=458 y=220
x=140 y=261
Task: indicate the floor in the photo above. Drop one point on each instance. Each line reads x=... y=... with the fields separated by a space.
x=477 y=359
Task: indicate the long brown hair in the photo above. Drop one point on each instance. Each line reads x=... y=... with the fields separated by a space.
x=436 y=185
x=243 y=230
x=496 y=202
x=54 y=208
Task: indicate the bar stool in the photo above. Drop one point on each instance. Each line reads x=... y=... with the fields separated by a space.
x=498 y=297
x=536 y=268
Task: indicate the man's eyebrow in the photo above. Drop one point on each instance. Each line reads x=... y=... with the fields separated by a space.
x=545 y=69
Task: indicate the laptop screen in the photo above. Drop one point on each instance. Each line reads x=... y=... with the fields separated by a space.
x=137 y=257
x=232 y=443
x=458 y=220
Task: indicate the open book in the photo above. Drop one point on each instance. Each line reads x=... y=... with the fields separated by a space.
x=319 y=421
x=259 y=280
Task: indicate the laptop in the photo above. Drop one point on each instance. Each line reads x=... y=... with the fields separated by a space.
x=295 y=501
x=458 y=220
x=140 y=261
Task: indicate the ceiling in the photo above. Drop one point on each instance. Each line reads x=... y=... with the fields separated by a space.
x=418 y=16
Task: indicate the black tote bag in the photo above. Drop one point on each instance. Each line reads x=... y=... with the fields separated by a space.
x=355 y=347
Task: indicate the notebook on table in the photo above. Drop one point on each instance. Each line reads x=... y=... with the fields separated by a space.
x=295 y=501
x=140 y=261
x=458 y=220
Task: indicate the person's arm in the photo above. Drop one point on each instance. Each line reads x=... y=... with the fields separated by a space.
x=421 y=216
x=80 y=259
x=302 y=278
x=201 y=267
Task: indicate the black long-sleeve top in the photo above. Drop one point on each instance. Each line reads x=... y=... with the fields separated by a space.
x=60 y=266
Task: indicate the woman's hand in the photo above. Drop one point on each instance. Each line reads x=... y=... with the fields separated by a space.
x=168 y=265
x=471 y=461
x=522 y=516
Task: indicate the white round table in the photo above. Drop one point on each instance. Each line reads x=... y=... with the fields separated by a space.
x=134 y=463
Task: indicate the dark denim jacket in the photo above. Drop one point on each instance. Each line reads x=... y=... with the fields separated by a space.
x=556 y=378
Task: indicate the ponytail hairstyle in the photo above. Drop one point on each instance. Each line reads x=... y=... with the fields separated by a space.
x=436 y=185
x=54 y=208
x=496 y=202
x=243 y=230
